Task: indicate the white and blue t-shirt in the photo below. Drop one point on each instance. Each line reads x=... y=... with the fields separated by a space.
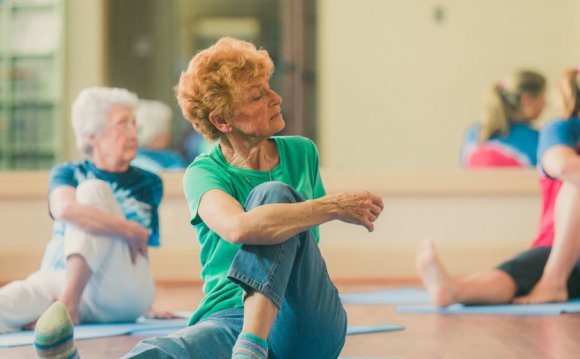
x=138 y=192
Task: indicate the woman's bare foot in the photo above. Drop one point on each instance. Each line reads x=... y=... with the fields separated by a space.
x=544 y=292
x=439 y=285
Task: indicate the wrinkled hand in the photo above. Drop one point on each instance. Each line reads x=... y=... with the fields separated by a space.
x=362 y=208
x=161 y=314
x=137 y=239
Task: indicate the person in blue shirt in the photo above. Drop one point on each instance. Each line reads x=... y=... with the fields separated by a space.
x=549 y=271
x=154 y=134
x=105 y=216
x=506 y=138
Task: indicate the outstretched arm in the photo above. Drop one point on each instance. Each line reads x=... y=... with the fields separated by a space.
x=275 y=223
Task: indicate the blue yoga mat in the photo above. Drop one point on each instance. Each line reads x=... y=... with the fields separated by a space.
x=390 y=296
x=368 y=329
x=148 y=328
x=90 y=331
x=572 y=306
x=351 y=330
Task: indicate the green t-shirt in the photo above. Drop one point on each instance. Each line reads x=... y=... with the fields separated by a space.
x=298 y=168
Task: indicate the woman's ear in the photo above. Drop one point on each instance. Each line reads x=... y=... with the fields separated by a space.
x=219 y=122
x=91 y=139
x=525 y=99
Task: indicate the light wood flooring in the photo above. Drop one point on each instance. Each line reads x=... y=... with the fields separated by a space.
x=425 y=335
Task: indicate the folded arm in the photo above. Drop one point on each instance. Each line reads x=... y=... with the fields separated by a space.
x=64 y=206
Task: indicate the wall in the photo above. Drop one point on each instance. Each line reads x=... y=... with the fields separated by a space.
x=85 y=41
x=397 y=87
x=477 y=219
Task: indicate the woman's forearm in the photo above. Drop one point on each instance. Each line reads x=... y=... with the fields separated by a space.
x=95 y=221
x=276 y=223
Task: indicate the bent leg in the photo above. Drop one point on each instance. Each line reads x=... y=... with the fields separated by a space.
x=23 y=301
x=100 y=273
x=552 y=287
x=293 y=276
x=212 y=338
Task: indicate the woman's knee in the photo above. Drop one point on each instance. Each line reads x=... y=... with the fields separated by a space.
x=272 y=192
x=568 y=201
x=96 y=193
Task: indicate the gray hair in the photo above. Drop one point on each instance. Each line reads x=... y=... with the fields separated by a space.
x=90 y=111
x=153 y=119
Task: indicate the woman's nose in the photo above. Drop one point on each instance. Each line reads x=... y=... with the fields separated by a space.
x=275 y=98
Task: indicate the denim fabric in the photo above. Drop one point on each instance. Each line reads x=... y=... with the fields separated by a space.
x=211 y=338
x=311 y=322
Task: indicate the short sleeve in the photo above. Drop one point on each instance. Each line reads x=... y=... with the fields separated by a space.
x=62 y=175
x=557 y=132
x=201 y=177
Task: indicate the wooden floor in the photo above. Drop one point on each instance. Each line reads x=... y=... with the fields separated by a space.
x=425 y=336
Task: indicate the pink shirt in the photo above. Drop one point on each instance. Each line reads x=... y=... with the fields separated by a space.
x=550 y=188
x=562 y=132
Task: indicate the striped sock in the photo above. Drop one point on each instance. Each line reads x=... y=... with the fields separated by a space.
x=250 y=346
x=53 y=334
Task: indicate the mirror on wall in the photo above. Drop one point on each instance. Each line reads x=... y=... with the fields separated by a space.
x=151 y=42
x=377 y=84
x=385 y=85
x=400 y=81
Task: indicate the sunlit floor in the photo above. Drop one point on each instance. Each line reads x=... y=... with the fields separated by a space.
x=424 y=336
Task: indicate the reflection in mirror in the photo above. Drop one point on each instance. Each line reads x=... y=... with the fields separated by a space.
x=378 y=85
x=151 y=42
x=400 y=81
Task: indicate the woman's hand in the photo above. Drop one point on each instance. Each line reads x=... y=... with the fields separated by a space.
x=362 y=208
x=161 y=314
x=136 y=237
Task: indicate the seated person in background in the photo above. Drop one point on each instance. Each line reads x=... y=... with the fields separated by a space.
x=154 y=133
x=256 y=202
x=506 y=137
x=105 y=215
x=193 y=144
x=550 y=270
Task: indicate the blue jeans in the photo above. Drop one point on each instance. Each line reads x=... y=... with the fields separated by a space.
x=311 y=321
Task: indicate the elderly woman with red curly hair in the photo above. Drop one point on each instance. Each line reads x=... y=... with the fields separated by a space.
x=256 y=201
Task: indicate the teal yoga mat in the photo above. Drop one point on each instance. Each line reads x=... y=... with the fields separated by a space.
x=390 y=296
x=351 y=330
x=90 y=331
x=149 y=328
x=572 y=306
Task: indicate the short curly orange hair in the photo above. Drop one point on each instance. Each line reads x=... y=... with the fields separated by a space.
x=214 y=80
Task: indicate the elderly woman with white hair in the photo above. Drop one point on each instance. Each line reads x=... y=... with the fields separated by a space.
x=154 y=134
x=105 y=215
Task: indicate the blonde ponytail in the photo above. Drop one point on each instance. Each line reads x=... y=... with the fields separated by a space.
x=503 y=99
